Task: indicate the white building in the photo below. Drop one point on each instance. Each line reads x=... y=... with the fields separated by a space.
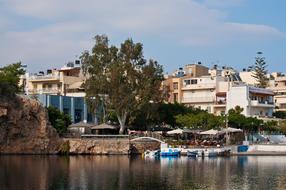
x=200 y=92
x=254 y=101
x=247 y=77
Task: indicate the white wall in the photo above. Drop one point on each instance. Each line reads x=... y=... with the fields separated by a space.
x=238 y=96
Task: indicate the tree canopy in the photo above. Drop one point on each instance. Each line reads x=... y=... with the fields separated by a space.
x=260 y=71
x=9 y=79
x=238 y=120
x=120 y=77
x=200 y=120
x=58 y=119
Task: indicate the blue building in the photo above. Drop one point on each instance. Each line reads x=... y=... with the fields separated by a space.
x=76 y=107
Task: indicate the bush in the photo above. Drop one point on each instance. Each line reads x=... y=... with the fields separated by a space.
x=59 y=120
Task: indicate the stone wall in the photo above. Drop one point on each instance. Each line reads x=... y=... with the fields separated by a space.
x=99 y=146
x=139 y=147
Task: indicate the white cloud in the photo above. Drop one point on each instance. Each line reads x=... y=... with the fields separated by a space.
x=71 y=24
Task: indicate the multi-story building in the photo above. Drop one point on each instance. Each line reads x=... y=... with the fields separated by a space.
x=218 y=92
x=174 y=86
x=247 y=77
x=174 y=82
x=65 y=81
x=200 y=92
x=254 y=101
x=278 y=85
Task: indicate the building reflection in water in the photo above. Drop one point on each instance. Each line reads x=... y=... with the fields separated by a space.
x=123 y=172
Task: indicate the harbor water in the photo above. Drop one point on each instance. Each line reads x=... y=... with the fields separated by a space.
x=123 y=172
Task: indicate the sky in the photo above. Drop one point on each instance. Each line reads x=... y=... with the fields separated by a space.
x=47 y=34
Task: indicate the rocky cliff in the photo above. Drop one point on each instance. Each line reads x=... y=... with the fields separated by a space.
x=24 y=128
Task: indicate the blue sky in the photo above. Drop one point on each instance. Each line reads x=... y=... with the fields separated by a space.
x=48 y=33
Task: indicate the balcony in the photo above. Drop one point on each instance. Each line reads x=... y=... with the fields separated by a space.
x=220 y=103
x=44 y=78
x=199 y=86
x=45 y=91
x=256 y=103
x=197 y=99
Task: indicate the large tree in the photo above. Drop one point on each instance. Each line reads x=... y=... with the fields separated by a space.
x=260 y=71
x=120 y=77
x=9 y=79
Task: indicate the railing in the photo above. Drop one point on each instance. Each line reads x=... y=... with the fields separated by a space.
x=221 y=102
x=199 y=86
x=45 y=77
x=147 y=134
x=197 y=99
x=45 y=91
x=261 y=103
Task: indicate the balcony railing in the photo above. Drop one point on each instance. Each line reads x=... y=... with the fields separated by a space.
x=262 y=103
x=45 y=77
x=197 y=99
x=198 y=86
x=45 y=91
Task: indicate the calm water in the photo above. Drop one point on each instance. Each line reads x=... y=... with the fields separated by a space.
x=122 y=172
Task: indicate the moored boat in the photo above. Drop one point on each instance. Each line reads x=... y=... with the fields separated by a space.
x=151 y=154
x=193 y=153
x=169 y=152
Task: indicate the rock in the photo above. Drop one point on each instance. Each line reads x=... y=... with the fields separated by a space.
x=24 y=128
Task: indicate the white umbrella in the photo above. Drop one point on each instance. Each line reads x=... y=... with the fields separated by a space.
x=231 y=130
x=210 y=132
x=176 y=131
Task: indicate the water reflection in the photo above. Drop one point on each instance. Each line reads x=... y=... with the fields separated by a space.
x=122 y=172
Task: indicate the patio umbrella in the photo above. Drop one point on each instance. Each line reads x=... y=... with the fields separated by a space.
x=231 y=130
x=175 y=132
x=105 y=126
x=210 y=132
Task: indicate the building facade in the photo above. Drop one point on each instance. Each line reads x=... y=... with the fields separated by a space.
x=256 y=102
x=66 y=81
x=220 y=91
x=76 y=107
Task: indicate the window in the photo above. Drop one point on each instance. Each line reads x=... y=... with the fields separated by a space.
x=175 y=97
x=187 y=82
x=194 y=81
x=175 y=85
x=49 y=86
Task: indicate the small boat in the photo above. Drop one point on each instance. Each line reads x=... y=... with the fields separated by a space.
x=151 y=154
x=208 y=153
x=193 y=153
x=169 y=152
x=211 y=153
x=224 y=152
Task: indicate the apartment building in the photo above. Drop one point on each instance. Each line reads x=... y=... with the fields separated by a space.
x=278 y=85
x=174 y=82
x=256 y=102
x=200 y=92
x=219 y=91
x=66 y=81
x=174 y=85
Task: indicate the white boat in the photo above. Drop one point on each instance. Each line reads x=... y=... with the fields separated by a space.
x=151 y=153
